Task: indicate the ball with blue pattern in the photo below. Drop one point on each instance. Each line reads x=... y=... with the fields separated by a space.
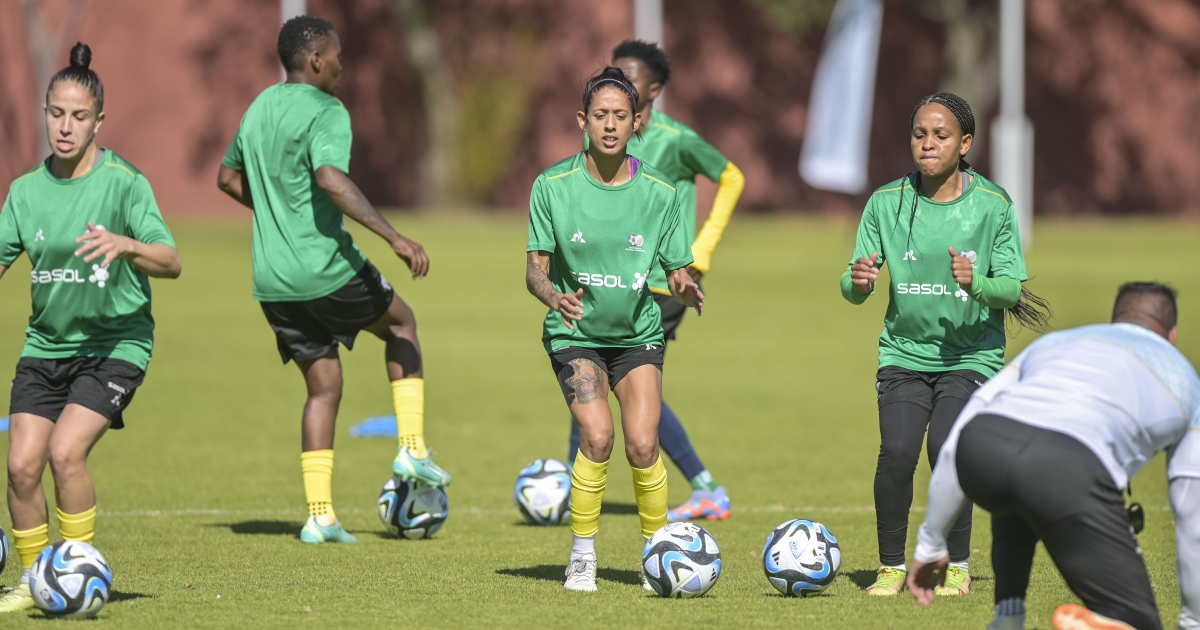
x=543 y=492
x=70 y=579
x=801 y=558
x=412 y=509
x=3 y=549
x=682 y=561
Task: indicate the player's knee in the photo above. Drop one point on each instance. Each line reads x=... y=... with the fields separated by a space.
x=641 y=453
x=597 y=447
x=899 y=455
x=24 y=473
x=66 y=460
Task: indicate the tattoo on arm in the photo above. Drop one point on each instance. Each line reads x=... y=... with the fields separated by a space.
x=583 y=382
x=538 y=282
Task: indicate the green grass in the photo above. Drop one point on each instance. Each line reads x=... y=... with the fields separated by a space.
x=201 y=501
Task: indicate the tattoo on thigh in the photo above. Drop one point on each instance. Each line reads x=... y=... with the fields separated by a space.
x=583 y=382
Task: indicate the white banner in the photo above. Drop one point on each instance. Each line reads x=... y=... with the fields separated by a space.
x=838 y=136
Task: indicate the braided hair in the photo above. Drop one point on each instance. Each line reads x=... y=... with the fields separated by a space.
x=1030 y=311
x=79 y=72
x=300 y=36
x=650 y=54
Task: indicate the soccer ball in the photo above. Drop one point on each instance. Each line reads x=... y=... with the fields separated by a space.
x=70 y=579
x=3 y=550
x=412 y=509
x=801 y=558
x=543 y=492
x=681 y=560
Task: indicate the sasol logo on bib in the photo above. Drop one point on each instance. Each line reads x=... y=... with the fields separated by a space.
x=914 y=288
x=599 y=280
x=99 y=276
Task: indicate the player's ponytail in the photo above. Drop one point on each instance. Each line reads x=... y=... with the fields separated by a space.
x=79 y=71
x=1031 y=311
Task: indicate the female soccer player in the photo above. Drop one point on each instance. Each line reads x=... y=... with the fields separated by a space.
x=289 y=163
x=681 y=154
x=951 y=239
x=94 y=235
x=599 y=222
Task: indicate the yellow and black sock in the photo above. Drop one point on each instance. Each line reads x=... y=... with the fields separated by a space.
x=587 y=493
x=408 y=397
x=317 y=467
x=650 y=491
x=31 y=542
x=81 y=527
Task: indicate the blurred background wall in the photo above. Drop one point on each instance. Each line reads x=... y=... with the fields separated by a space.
x=463 y=102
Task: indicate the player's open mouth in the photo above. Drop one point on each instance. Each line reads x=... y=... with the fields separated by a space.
x=609 y=142
x=64 y=145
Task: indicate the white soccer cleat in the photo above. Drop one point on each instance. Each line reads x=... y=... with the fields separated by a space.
x=581 y=574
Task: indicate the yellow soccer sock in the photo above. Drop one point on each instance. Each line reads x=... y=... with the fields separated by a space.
x=81 y=527
x=587 y=493
x=317 y=467
x=408 y=396
x=31 y=542
x=650 y=491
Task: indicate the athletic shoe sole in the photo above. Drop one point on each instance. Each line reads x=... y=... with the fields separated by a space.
x=1076 y=617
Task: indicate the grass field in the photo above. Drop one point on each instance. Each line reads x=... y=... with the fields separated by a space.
x=201 y=501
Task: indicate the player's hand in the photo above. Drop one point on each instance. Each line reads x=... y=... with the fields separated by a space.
x=570 y=306
x=864 y=272
x=413 y=255
x=686 y=289
x=960 y=266
x=695 y=273
x=101 y=242
x=920 y=579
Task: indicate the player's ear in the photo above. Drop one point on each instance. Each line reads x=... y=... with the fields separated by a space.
x=637 y=121
x=582 y=116
x=968 y=140
x=315 y=61
x=1171 y=334
x=654 y=90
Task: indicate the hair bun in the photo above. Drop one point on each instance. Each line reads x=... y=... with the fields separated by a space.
x=81 y=56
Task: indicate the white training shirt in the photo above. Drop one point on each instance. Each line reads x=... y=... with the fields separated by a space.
x=1121 y=390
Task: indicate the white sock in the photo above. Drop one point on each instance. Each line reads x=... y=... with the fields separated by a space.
x=962 y=565
x=581 y=545
x=26 y=576
x=899 y=567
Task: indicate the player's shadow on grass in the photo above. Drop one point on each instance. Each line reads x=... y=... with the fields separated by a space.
x=267 y=528
x=557 y=573
x=863 y=578
x=118 y=596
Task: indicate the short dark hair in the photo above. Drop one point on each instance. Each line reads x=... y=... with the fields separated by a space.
x=300 y=36
x=650 y=54
x=611 y=76
x=1146 y=301
x=79 y=72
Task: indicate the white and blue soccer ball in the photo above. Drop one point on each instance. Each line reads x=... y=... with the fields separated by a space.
x=412 y=509
x=3 y=549
x=543 y=492
x=801 y=558
x=70 y=579
x=682 y=561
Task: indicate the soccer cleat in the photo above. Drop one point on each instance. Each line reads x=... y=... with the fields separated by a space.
x=314 y=534
x=581 y=574
x=1076 y=617
x=1007 y=622
x=889 y=582
x=645 y=583
x=419 y=469
x=712 y=506
x=958 y=582
x=17 y=599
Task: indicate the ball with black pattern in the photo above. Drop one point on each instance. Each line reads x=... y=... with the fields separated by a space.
x=681 y=561
x=411 y=509
x=801 y=558
x=543 y=492
x=70 y=579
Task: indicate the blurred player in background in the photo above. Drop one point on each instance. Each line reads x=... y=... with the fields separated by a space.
x=1048 y=446
x=289 y=164
x=679 y=153
x=950 y=239
x=599 y=222
x=88 y=221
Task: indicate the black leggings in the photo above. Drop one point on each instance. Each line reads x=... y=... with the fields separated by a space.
x=909 y=402
x=1047 y=486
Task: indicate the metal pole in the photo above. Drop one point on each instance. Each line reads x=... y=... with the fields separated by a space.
x=648 y=26
x=289 y=9
x=1012 y=132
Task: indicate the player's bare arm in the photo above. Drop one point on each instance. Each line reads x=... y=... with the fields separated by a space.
x=684 y=288
x=235 y=184
x=2 y=270
x=537 y=280
x=351 y=201
x=157 y=261
x=960 y=266
x=864 y=272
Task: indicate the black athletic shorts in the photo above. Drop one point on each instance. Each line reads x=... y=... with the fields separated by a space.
x=899 y=385
x=308 y=330
x=44 y=387
x=672 y=314
x=616 y=362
